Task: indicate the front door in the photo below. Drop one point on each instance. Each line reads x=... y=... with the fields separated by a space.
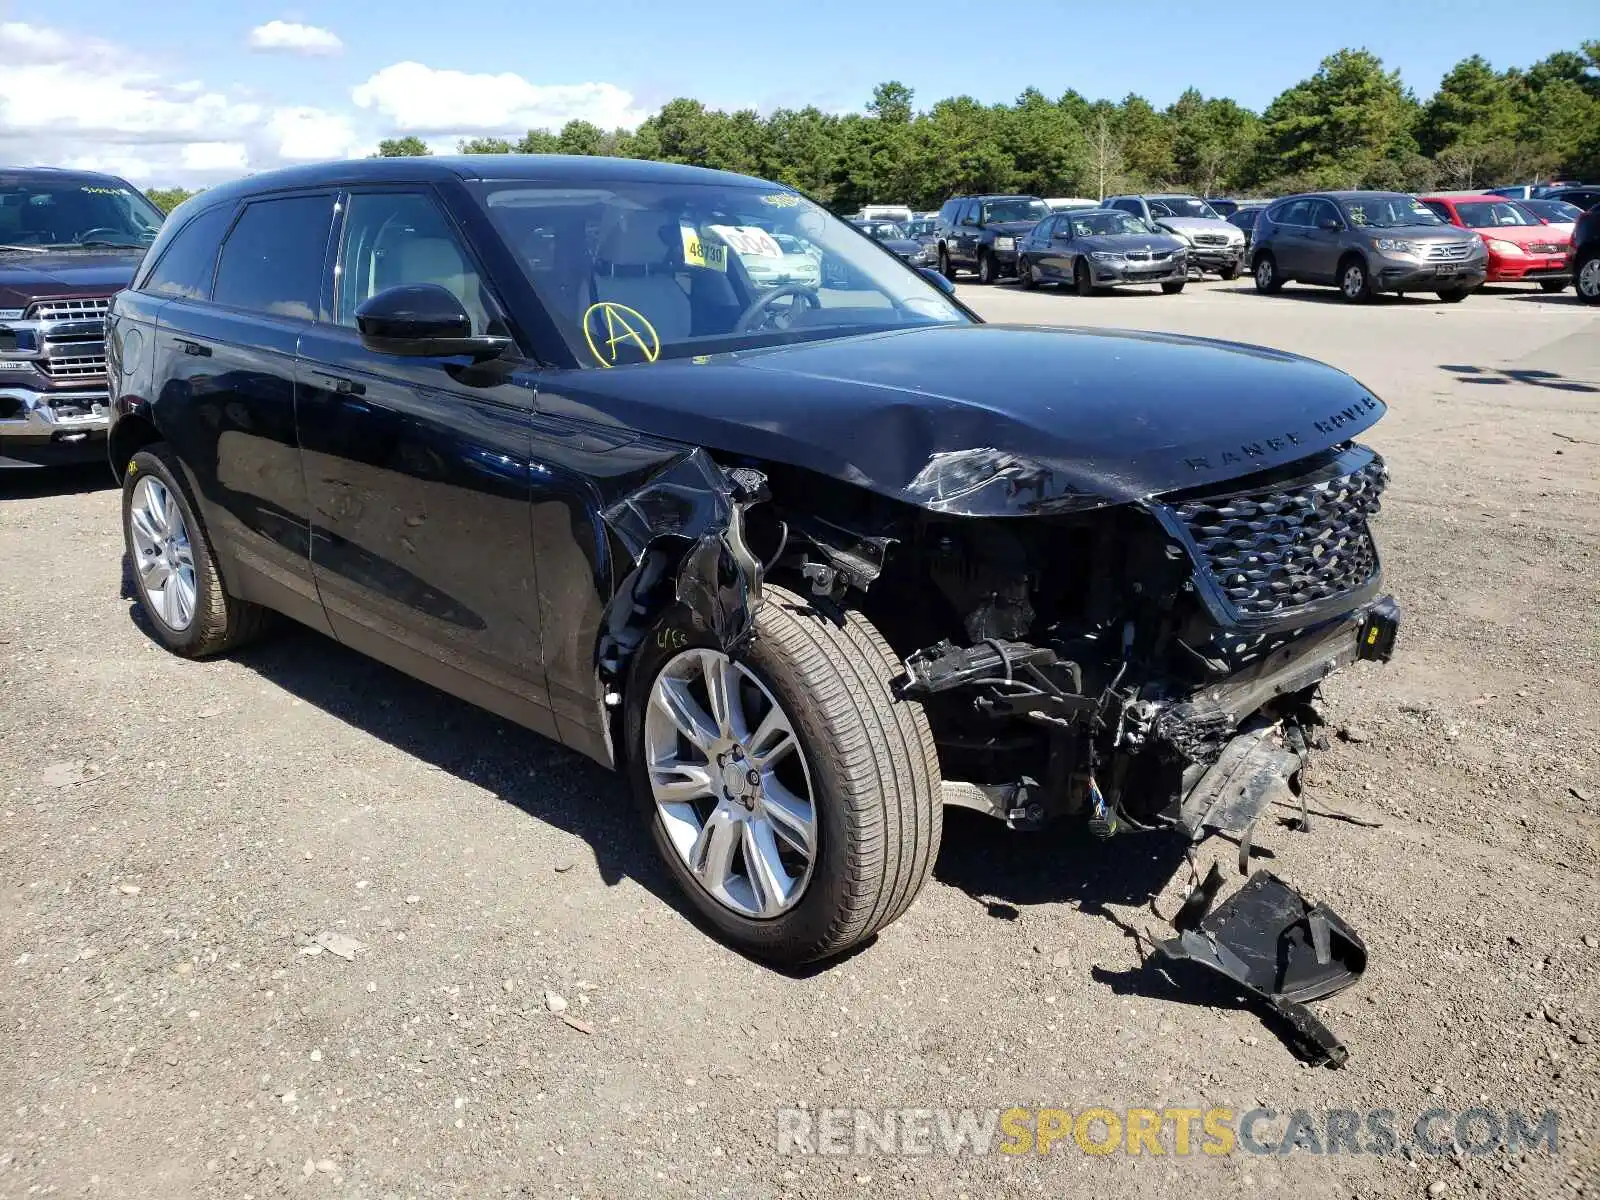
x=417 y=471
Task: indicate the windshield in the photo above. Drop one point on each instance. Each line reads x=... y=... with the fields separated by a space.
x=74 y=212
x=1105 y=224
x=636 y=271
x=1486 y=214
x=1389 y=212
x=1020 y=209
x=1553 y=210
x=1182 y=206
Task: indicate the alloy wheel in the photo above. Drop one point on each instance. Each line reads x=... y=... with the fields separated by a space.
x=1589 y=280
x=163 y=556
x=1264 y=274
x=1355 y=281
x=732 y=788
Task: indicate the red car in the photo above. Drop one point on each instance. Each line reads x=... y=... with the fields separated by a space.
x=1522 y=247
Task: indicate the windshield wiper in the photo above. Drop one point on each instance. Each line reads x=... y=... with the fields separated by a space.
x=28 y=249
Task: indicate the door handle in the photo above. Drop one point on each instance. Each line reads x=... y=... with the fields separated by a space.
x=194 y=348
x=341 y=385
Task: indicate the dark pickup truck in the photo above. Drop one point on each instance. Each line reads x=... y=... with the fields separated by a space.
x=69 y=240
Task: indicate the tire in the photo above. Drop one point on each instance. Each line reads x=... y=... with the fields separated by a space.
x=988 y=270
x=1552 y=285
x=1233 y=270
x=945 y=267
x=1025 y=279
x=1354 y=283
x=1174 y=287
x=1082 y=281
x=1266 y=274
x=868 y=761
x=1586 y=279
x=216 y=622
x=1452 y=295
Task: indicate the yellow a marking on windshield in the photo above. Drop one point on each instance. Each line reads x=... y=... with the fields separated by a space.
x=623 y=326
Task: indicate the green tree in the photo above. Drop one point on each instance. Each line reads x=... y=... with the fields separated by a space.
x=891 y=103
x=1473 y=108
x=1049 y=154
x=1212 y=141
x=1146 y=142
x=167 y=199
x=483 y=145
x=405 y=147
x=537 y=141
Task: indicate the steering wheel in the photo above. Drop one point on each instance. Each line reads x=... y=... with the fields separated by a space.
x=752 y=316
x=88 y=234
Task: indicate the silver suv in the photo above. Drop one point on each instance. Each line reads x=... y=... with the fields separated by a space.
x=1365 y=242
x=1213 y=244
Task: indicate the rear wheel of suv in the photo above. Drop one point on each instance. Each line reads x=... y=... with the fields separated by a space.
x=1586 y=278
x=1266 y=273
x=988 y=269
x=795 y=799
x=1354 y=284
x=174 y=569
x=946 y=267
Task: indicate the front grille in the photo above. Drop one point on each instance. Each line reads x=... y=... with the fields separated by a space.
x=1210 y=239
x=82 y=308
x=1149 y=255
x=87 y=366
x=1288 y=544
x=1448 y=251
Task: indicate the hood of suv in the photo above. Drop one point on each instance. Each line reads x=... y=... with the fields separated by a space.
x=1200 y=225
x=990 y=419
x=1418 y=233
x=26 y=276
x=1010 y=228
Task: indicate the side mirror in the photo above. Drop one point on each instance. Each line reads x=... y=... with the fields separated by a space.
x=1331 y=224
x=938 y=280
x=422 y=320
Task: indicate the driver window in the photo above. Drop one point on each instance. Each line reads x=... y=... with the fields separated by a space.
x=394 y=238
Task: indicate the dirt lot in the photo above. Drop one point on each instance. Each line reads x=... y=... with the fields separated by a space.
x=175 y=835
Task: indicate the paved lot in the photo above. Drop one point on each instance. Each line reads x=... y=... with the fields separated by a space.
x=175 y=835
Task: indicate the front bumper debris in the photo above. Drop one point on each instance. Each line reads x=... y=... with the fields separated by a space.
x=1284 y=948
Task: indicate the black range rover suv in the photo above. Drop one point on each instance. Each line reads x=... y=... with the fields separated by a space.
x=807 y=562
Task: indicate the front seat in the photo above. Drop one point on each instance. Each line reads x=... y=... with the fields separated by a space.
x=637 y=264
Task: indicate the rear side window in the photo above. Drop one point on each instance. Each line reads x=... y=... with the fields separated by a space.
x=272 y=261
x=1296 y=212
x=185 y=269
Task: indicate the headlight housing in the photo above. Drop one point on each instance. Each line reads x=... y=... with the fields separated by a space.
x=1105 y=256
x=1500 y=247
x=1005 y=243
x=1397 y=246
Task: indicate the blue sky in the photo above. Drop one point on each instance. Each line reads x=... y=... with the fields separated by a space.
x=176 y=92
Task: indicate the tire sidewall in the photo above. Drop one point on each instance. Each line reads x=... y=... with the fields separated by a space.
x=150 y=461
x=809 y=921
x=986 y=267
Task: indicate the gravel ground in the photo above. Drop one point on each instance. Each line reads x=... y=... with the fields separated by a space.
x=176 y=836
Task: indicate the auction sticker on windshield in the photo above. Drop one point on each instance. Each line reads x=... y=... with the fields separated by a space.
x=697 y=252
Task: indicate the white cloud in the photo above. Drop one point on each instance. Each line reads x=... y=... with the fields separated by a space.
x=304 y=134
x=419 y=99
x=230 y=157
x=295 y=38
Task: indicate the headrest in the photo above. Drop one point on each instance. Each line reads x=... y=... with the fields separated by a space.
x=639 y=239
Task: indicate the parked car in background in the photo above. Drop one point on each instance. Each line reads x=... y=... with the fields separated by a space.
x=1363 y=243
x=1214 y=245
x=68 y=241
x=1223 y=206
x=1098 y=248
x=1243 y=219
x=894 y=239
x=777 y=260
x=1522 y=248
x=979 y=233
x=1531 y=191
x=885 y=212
x=1557 y=212
x=805 y=565
x=922 y=228
x=1584 y=197
x=1070 y=203
x=1586 y=256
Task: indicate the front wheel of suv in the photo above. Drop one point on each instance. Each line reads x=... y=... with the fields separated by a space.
x=1232 y=270
x=174 y=568
x=795 y=799
x=1586 y=278
x=1266 y=273
x=1354 y=285
x=988 y=269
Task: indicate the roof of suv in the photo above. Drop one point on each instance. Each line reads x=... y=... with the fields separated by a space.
x=550 y=168
x=995 y=196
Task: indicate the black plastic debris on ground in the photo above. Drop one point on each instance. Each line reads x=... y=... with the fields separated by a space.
x=1285 y=949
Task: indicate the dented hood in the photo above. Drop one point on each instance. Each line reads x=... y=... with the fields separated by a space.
x=991 y=419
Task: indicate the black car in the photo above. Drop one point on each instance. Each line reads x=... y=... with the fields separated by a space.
x=1584 y=196
x=807 y=563
x=896 y=241
x=68 y=240
x=1223 y=206
x=980 y=233
x=1586 y=256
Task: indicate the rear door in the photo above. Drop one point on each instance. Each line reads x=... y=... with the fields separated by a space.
x=226 y=365
x=417 y=471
